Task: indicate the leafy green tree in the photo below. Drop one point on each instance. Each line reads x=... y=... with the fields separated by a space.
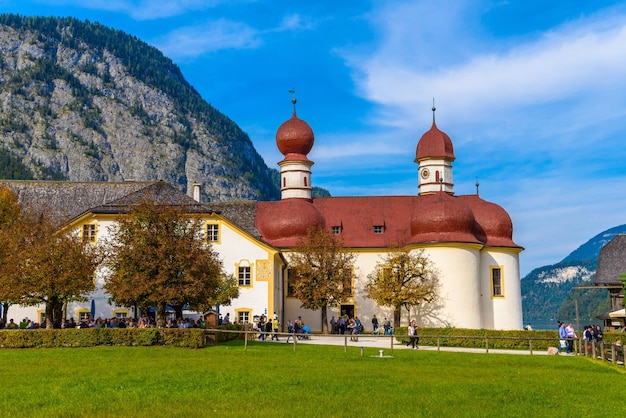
x=320 y=271
x=402 y=279
x=158 y=257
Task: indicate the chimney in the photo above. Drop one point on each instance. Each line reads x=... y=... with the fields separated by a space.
x=196 y=192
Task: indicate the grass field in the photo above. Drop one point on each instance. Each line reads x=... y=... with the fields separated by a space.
x=317 y=381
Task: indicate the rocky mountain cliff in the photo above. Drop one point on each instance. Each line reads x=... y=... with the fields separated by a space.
x=548 y=292
x=80 y=101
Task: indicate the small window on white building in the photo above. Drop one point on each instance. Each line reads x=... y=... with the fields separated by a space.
x=212 y=232
x=243 y=317
x=244 y=275
x=497 y=287
x=89 y=233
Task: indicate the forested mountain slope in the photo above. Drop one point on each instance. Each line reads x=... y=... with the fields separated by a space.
x=83 y=102
x=548 y=292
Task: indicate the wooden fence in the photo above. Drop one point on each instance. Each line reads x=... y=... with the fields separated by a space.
x=605 y=352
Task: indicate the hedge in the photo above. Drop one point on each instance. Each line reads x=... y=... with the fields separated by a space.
x=50 y=338
x=475 y=338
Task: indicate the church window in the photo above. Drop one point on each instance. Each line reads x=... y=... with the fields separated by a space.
x=305 y=182
x=284 y=181
x=346 y=282
x=244 y=275
x=497 y=285
x=290 y=286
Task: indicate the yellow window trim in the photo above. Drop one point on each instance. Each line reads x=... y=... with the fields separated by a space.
x=219 y=232
x=491 y=269
x=245 y=263
x=243 y=310
x=94 y=237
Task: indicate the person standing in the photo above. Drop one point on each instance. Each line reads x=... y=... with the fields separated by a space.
x=387 y=326
x=563 y=338
x=276 y=326
x=333 y=325
x=374 y=325
x=571 y=334
x=598 y=334
x=413 y=338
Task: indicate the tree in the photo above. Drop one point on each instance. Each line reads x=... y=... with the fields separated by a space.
x=158 y=257
x=403 y=278
x=10 y=212
x=320 y=271
x=45 y=266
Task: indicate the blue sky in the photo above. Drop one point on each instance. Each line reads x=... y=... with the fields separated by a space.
x=532 y=93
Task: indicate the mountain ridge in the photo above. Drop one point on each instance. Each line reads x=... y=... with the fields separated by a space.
x=80 y=101
x=550 y=292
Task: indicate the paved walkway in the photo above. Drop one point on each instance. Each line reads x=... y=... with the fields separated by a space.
x=386 y=343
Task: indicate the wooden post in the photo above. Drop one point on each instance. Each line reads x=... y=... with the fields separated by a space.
x=613 y=355
x=530 y=345
x=295 y=341
x=245 y=339
x=593 y=350
x=438 y=343
x=487 y=344
x=391 y=340
x=345 y=344
x=602 y=351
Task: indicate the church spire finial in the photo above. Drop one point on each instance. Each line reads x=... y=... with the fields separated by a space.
x=293 y=99
x=434 y=108
x=477 y=184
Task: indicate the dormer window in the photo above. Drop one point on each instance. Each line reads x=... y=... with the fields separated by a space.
x=378 y=229
x=336 y=230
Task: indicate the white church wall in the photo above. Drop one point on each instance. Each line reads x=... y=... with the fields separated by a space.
x=505 y=312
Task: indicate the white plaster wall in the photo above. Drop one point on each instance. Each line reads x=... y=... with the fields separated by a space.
x=502 y=313
x=234 y=249
x=459 y=299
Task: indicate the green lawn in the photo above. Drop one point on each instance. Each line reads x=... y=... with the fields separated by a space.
x=273 y=380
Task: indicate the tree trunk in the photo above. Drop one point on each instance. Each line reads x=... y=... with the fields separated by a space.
x=397 y=315
x=160 y=314
x=324 y=320
x=5 y=311
x=54 y=310
x=178 y=309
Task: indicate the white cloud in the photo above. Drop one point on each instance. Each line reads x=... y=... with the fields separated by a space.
x=577 y=62
x=295 y=22
x=142 y=9
x=193 y=41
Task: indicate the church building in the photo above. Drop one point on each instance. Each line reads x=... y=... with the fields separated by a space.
x=468 y=240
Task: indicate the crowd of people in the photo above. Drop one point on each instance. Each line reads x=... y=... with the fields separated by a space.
x=114 y=322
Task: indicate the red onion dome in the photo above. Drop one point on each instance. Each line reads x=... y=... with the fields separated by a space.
x=440 y=217
x=284 y=221
x=434 y=143
x=295 y=136
x=493 y=223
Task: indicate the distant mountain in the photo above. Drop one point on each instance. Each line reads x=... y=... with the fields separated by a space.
x=83 y=102
x=548 y=292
